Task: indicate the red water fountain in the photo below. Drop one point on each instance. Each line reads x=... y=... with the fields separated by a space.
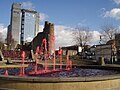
x=42 y=50
x=36 y=61
x=69 y=62
x=6 y=72
x=60 y=57
x=54 y=60
x=45 y=53
x=22 y=65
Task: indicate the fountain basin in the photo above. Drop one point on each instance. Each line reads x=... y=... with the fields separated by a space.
x=77 y=83
x=106 y=82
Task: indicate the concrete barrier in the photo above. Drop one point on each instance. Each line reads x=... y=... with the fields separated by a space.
x=110 y=82
x=107 y=82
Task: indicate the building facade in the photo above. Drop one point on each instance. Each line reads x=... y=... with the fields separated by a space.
x=24 y=25
x=117 y=44
x=103 y=50
x=71 y=50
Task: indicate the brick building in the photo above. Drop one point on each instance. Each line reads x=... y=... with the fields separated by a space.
x=48 y=33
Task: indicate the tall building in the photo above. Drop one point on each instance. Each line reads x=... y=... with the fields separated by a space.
x=24 y=25
x=14 y=28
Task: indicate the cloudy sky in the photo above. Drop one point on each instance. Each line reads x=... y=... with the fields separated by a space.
x=66 y=14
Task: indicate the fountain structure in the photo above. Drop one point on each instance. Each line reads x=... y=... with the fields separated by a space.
x=25 y=74
x=34 y=75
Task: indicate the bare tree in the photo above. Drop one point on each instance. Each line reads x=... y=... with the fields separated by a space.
x=108 y=32
x=82 y=35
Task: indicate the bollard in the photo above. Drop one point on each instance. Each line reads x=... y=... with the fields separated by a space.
x=101 y=61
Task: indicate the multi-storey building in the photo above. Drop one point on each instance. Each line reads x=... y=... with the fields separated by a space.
x=24 y=25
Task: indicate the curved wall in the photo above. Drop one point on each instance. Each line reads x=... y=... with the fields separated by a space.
x=80 y=83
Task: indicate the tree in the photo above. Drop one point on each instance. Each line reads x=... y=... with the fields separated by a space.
x=108 y=32
x=82 y=35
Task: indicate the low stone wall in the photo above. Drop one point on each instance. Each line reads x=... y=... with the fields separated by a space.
x=76 y=83
x=85 y=62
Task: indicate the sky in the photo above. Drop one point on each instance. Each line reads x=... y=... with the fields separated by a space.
x=66 y=14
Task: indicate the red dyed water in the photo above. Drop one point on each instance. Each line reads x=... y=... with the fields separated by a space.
x=45 y=53
x=60 y=57
x=6 y=72
x=36 y=69
x=22 y=66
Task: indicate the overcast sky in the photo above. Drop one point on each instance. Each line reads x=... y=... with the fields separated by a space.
x=66 y=14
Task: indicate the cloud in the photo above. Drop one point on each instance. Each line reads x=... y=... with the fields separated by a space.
x=28 y=5
x=43 y=16
x=82 y=23
x=114 y=13
x=41 y=28
x=117 y=1
x=29 y=39
x=95 y=37
x=3 y=33
x=102 y=12
x=63 y=36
